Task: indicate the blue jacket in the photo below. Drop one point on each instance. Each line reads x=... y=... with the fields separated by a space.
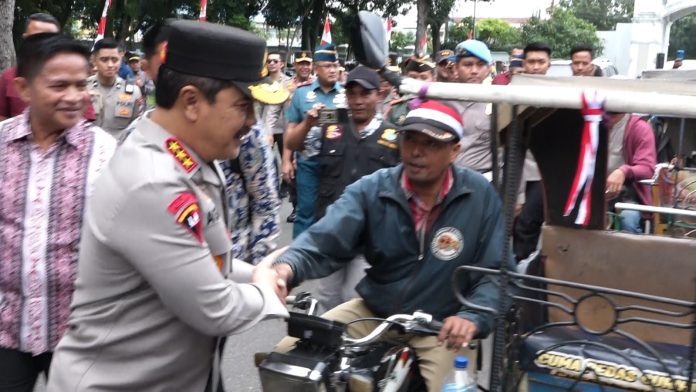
x=373 y=217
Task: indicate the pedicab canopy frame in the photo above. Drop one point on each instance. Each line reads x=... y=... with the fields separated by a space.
x=608 y=308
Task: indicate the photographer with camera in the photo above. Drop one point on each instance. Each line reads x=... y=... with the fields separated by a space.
x=303 y=133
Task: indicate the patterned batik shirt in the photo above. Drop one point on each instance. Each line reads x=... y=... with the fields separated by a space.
x=42 y=198
x=253 y=201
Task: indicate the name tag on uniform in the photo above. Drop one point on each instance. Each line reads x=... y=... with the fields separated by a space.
x=124 y=106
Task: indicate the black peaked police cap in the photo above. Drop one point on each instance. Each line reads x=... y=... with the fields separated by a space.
x=215 y=51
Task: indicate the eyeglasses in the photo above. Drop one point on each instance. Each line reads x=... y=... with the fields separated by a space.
x=272 y=61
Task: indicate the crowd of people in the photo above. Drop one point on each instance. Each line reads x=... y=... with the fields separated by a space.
x=141 y=207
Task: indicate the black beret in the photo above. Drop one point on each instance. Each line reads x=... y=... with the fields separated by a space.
x=215 y=51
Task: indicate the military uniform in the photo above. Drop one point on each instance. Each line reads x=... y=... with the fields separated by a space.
x=151 y=295
x=115 y=107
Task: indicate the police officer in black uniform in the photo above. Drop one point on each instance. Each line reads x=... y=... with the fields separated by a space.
x=358 y=144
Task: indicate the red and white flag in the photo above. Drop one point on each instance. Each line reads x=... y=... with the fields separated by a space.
x=424 y=43
x=204 y=10
x=326 y=35
x=389 y=28
x=102 y=22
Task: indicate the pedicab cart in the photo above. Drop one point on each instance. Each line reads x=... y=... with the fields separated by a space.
x=596 y=309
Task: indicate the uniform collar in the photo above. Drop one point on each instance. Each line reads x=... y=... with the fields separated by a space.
x=185 y=158
x=315 y=85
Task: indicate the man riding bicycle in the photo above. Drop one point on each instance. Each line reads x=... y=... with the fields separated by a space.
x=415 y=224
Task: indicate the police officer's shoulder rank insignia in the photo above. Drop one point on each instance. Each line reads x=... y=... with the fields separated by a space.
x=187 y=213
x=180 y=154
x=333 y=132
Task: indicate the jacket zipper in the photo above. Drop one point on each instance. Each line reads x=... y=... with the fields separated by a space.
x=421 y=256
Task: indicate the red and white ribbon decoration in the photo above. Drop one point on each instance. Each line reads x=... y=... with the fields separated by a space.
x=204 y=10
x=592 y=111
x=389 y=28
x=102 y=22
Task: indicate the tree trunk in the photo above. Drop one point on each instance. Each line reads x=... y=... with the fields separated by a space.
x=435 y=35
x=423 y=8
x=7 y=53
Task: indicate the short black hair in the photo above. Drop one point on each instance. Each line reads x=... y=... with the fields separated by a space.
x=281 y=55
x=105 y=43
x=37 y=49
x=154 y=36
x=44 y=18
x=537 y=47
x=170 y=82
x=582 y=48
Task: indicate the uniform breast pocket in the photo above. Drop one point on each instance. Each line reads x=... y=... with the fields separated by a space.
x=331 y=160
x=124 y=108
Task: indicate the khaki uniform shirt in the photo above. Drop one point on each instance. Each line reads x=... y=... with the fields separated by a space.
x=116 y=108
x=151 y=294
x=475 y=151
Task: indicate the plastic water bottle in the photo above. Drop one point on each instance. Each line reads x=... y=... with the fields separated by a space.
x=458 y=380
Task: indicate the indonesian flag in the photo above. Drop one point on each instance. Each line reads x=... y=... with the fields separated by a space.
x=326 y=35
x=389 y=28
x=204 y=10
x=102 y=22
x=592 y=111
x=424 y=43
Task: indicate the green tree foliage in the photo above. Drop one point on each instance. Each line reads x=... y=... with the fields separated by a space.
x=561 y=32
x=682 y=36
x=603 y=14
x=458 y=32
x=400 y=40
x=497 y=34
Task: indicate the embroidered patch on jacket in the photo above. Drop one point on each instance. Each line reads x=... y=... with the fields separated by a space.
x=181 y=155
x=447 y=243
x=188 y=214
x=333 y=132
x=390 y=135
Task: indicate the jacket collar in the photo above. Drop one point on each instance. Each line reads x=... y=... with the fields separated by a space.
x=393 y=190
x=19 y=128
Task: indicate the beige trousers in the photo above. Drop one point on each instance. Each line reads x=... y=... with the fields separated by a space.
x=434 y=361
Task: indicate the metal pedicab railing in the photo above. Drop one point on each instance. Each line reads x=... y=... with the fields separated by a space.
x=581 y=345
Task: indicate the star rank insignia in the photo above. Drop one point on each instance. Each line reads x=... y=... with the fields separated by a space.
x=181 y=155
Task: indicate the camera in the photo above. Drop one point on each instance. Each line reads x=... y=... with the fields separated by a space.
x=328 y=116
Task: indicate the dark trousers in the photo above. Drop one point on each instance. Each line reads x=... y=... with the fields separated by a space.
x=19 y=370
x=528 y=224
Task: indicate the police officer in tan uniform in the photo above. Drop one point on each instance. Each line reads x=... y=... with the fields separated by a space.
x=153 y=291
x=116 y=101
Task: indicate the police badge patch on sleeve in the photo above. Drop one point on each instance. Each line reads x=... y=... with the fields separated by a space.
x=187 y=213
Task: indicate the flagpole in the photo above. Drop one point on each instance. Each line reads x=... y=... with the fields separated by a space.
x=204 y=10
x=102 y=22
